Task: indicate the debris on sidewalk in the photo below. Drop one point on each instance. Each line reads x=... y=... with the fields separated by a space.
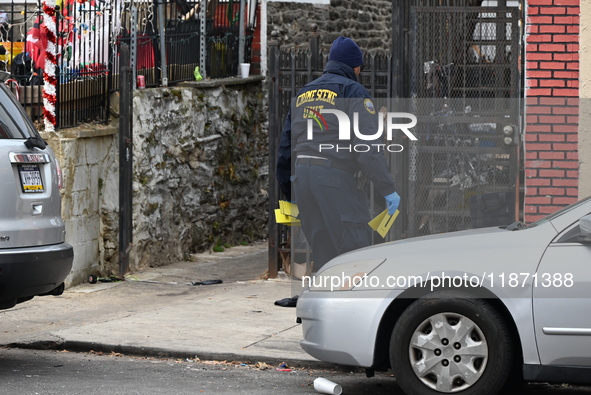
x=207 y=282
x=92 y=279
x=325 y=386
x=110 y=279
x=263 y=366
x=283 y=368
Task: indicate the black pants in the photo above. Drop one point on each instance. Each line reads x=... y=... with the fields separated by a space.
x=334 y=213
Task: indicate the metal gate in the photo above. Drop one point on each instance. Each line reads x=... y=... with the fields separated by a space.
x=289 y=71
x=455 y=68
x=463 y=171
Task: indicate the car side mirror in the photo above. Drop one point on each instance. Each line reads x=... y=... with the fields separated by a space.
x=585 y=226
x=35 y=141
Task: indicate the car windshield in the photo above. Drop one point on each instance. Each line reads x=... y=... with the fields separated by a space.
x=13 y=122
x=559 y=212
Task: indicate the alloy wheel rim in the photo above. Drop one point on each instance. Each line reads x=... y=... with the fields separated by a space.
x=448 y=352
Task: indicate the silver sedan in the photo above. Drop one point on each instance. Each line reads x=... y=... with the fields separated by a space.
x=463 y=312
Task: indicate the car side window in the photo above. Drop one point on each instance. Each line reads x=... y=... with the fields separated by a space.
x=14 y=122
x=10 y=128
x=4 y=131
x=571 y=235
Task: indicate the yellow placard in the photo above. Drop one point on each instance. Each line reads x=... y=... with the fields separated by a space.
x=289 y=208
x=383 y=222
x=374 y=223
x=287 y=213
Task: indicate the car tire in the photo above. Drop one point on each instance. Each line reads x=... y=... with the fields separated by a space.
x=451 y=342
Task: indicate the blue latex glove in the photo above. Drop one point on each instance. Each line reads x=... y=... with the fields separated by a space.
x=392 y=201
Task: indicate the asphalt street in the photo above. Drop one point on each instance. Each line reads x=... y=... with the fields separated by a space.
x=38 y=372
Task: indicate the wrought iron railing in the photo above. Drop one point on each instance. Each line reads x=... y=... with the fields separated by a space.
x=169 y=39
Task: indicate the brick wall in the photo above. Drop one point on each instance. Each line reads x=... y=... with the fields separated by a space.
x=552 y=112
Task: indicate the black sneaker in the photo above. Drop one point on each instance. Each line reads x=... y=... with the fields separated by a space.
x=287 y=302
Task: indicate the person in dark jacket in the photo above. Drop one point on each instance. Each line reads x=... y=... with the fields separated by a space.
x=327 y=152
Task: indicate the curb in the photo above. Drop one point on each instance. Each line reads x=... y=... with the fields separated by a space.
x=78 y=346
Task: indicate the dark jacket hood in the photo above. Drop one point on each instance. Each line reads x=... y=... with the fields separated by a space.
x=339 y=68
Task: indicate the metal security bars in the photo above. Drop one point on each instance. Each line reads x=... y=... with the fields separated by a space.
x=204 y=34
x=465 y=86
x=83 y=62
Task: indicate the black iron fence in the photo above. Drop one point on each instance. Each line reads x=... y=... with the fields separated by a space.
x=169 y=39
x=290 y=70
x=459 y=70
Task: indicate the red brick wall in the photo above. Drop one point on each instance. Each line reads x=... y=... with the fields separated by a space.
x=552 y=92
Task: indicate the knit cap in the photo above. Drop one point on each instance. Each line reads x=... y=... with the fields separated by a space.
x=345 y=50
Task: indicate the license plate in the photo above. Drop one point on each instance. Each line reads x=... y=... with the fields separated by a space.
x=31 y=178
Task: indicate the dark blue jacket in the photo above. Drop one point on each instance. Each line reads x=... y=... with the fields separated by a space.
x=338 y=89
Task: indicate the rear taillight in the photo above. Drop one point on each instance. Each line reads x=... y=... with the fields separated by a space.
x=60 y=178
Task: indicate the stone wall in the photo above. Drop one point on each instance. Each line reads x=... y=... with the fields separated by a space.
x=88 y=157
x=368 y=22
x=200 y=176
x=200 y=169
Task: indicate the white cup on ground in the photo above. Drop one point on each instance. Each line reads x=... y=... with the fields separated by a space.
x=325 y=386
x=244 y=69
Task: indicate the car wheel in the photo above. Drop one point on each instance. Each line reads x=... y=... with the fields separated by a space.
x=450 y=342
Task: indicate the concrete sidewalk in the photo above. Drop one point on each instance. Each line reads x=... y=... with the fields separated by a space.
x=159 y=313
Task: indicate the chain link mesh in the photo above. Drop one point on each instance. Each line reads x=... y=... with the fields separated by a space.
x=464 y=84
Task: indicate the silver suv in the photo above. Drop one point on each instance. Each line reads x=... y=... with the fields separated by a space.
x=34 y=258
